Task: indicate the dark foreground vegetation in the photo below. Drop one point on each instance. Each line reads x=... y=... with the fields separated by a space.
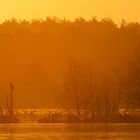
x=61 y=117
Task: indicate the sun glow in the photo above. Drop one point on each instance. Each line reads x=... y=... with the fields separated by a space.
x=30 y=9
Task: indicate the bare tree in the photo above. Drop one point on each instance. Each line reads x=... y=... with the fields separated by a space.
x=72 y=88
x=10 y=101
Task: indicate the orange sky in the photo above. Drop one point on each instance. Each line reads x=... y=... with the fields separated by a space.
x=28 y=9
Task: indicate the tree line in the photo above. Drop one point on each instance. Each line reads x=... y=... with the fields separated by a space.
x=100 y=60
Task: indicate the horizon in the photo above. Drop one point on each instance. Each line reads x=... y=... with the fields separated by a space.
x=59 y=20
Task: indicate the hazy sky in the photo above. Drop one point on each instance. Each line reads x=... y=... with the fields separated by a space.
x=28 y=9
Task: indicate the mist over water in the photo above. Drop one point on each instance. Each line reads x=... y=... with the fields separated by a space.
x=70 y=131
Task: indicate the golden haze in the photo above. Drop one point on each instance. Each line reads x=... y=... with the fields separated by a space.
x=30 y=9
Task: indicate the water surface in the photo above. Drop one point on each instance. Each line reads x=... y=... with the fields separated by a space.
x=34 y=131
